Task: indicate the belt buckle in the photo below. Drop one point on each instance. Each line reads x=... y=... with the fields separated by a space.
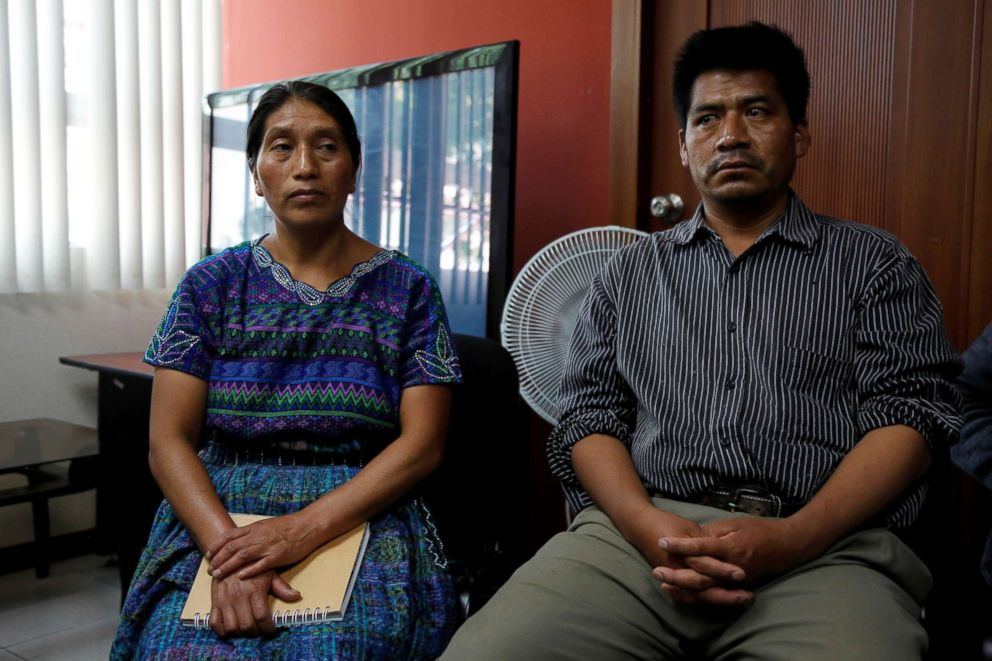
x=762 y=497
x=733 y=498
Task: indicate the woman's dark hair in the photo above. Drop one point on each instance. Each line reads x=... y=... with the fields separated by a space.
x=277 y=96
x=754 y=46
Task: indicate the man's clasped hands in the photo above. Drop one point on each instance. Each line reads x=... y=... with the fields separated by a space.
x=720 y=562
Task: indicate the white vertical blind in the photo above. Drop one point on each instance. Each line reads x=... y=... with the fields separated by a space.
x=172 y=142
x=128 y=144
x=8 y=252
x=54 y=201
x=117 y=202
x=103 y=261
x=192 y=30
x=26 y=143
x=152 y=213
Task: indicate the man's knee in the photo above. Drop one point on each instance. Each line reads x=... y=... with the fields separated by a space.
x=573 y=600
x=506 y=628
x=840 y=611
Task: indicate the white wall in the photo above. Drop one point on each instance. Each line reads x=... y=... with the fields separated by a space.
x=35 y=329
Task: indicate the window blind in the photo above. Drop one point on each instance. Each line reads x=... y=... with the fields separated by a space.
x=100 y=140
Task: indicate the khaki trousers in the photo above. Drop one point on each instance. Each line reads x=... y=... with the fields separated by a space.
x=589 y=595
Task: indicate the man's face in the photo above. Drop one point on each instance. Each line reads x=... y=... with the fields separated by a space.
x=740 y=144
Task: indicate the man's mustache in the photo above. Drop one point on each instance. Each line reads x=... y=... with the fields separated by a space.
x=743 y=157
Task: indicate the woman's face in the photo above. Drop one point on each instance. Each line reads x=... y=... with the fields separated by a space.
x=304 y=169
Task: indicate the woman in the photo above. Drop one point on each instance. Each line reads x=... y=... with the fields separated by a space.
x=321 y=404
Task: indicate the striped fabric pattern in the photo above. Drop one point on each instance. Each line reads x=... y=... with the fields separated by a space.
x=765 y=369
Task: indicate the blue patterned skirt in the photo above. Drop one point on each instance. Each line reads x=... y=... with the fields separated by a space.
x=402 y=606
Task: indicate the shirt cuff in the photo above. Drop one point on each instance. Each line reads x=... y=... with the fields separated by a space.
x=563 y=438
x=939 y=428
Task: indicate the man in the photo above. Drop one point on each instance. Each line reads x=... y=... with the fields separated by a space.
x=748 y=410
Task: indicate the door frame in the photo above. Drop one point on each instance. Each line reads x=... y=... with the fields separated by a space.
x=627 y=54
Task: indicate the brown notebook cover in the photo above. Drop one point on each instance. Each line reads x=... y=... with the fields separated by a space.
x=325 y=579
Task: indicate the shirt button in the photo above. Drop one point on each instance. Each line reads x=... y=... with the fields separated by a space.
x=731 y=326
x=729 y=384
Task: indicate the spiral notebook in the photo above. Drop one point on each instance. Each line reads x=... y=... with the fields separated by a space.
x=325 y=579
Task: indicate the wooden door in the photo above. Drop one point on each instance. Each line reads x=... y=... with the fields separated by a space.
x=897 y=141
x=901 y=121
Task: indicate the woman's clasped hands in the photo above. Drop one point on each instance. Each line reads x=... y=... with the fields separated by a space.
x=261 y=546
x=239 y=606
x=243 y=563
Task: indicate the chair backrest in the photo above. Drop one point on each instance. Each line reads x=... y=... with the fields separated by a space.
x=953 y=623
x=477 y=495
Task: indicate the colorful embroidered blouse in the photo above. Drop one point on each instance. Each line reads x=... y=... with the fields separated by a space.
x=280 y=355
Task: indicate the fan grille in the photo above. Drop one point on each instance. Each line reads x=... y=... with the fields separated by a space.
x=543 y=304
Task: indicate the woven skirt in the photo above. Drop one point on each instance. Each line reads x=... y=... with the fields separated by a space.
x=402 y=606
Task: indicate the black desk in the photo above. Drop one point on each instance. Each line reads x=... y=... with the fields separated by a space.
x=128 y=495
x=29 y=447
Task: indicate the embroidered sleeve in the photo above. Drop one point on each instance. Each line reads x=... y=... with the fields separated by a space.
x=429 y=354
x=181 y=341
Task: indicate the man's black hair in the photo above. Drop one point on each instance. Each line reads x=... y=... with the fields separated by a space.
x=754 y=46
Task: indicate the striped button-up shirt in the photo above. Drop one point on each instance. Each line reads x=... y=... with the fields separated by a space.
x=766 y=368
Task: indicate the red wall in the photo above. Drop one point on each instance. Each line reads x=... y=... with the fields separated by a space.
x=563 y=112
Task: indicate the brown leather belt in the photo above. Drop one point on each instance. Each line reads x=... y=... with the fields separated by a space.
x=745 y=498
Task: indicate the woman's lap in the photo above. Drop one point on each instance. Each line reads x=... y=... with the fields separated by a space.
x=402 y=604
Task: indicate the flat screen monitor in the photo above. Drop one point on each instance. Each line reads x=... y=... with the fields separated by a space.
x=438 y=147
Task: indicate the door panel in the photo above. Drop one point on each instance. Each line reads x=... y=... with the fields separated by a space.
x=980 y=286
x=844 y=173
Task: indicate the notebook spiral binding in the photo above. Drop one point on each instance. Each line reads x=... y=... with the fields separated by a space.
x=286 y=618
x=307 y=616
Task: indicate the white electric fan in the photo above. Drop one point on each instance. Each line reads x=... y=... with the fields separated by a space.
x=543 y=303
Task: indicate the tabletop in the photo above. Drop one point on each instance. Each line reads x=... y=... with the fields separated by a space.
x=125 y=364
x=37 y=441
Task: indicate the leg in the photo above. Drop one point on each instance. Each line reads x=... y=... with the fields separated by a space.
x=587 y=594
x=861 y=600
x=39 y=512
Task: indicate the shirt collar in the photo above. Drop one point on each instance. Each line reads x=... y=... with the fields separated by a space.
x=797 y=225
x=687 y=230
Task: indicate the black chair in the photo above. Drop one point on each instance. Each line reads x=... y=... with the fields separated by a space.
x=478 y=495
x=941 y=538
